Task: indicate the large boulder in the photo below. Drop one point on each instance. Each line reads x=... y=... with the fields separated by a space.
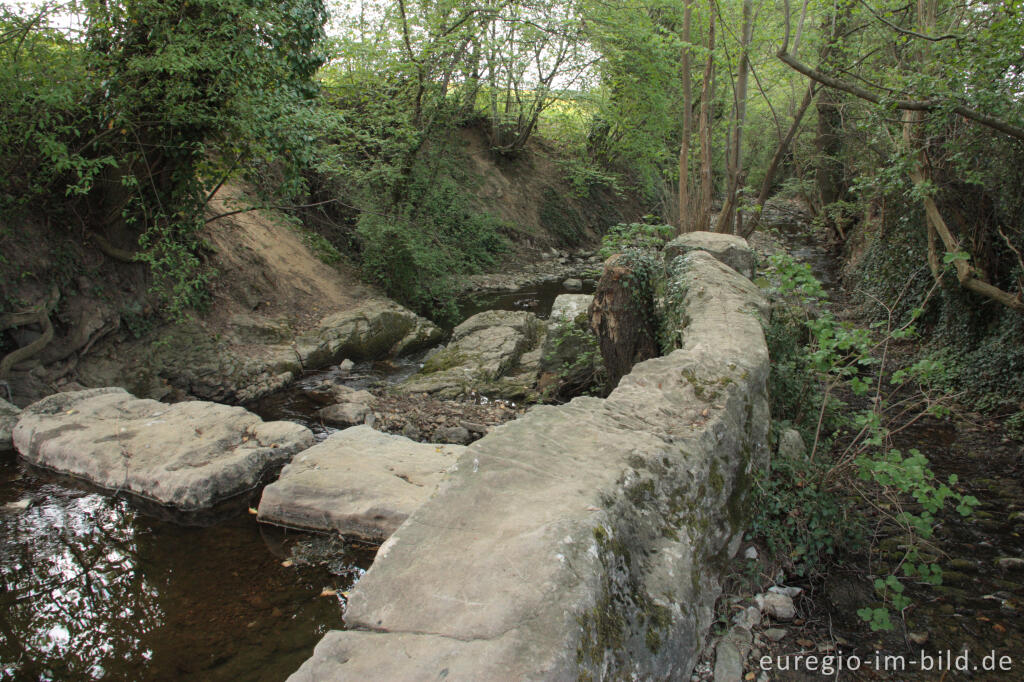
x=375 y=329
x=187 y=456
x=571 y=361
x=484 y=351
x=730 y=249
x=570 y=306
x=256 y=356
x=583 y=541
x=8 y=417
x=359 y=482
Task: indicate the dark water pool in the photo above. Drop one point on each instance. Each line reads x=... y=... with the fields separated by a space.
x=536 y=299
x=92 y=588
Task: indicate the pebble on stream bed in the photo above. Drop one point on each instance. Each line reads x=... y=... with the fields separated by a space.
x=431 y=420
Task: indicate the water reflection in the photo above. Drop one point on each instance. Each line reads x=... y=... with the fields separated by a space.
x=91 y=588
x=73 y=597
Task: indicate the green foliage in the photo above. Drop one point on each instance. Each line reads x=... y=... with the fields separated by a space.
x=130 y=124
x=1015 y=425
x=805 y=497
x=575 y=352
x=978 y=345
x=802 y=518
x=433 y=236
x=585 y=175
x=626 y=236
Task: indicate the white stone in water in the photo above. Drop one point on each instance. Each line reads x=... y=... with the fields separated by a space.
x=188 y=455
x=358 y=482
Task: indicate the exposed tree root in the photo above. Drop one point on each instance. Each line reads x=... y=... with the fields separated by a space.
x=40 y=316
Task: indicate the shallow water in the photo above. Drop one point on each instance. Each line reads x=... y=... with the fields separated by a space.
x=92 y=588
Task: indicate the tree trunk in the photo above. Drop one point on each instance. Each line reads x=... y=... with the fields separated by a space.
x=622 y=317
x=734 y=162
x=773 y=166
x=685 y=214
x=703 y=217
x=828 y=169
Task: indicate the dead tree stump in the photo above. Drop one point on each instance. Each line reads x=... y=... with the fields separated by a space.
x=622 y=316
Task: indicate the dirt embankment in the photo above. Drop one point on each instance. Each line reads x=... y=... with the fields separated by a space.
x=270 y=288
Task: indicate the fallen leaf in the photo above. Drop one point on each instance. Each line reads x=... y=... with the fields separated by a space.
x=998 y=628
x=287 y=563
x=328 y=592
x=805 y=642
x=252 y=510
x=706 y=412
x=984 y=618
x=749 y=676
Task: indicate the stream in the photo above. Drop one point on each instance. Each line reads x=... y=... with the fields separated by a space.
x=94 y=587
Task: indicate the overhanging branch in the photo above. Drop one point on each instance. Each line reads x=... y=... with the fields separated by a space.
x=904 y=104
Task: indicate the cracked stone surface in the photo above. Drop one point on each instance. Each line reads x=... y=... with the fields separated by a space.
x=359 y=482
x=188 y=455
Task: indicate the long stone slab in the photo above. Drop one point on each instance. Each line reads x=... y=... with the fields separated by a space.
x=584 y=541
x=187 y=456
x=359 y=482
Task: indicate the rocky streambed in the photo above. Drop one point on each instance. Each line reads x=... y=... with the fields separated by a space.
x=145 y=557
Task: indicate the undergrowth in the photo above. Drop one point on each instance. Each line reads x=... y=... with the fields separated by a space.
x=833 y=494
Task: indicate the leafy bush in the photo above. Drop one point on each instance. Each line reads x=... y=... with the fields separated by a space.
x=430 y=238
x=125 y=128
x=626 y=236
x=804 y=500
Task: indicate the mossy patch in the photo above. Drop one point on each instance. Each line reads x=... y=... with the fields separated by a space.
x=439 y=362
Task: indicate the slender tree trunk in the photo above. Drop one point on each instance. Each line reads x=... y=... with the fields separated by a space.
x=703 y=217
x=828 y=171
x=969 y=276
x=734 y=163
x=685 y=213
x=773 y=166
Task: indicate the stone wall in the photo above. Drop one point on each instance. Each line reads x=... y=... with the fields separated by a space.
x=584 y=541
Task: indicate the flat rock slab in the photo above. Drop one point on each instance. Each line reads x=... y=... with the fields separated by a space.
x=188 y=455
x=359 y=482
x=583 y=541
x=729 y=249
